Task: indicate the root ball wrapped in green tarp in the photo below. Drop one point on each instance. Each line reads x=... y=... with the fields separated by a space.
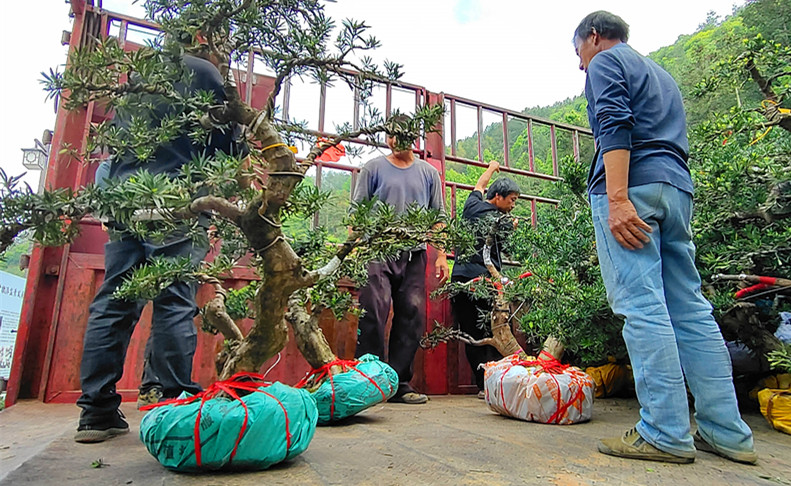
x=251 y=426
x=363 y=383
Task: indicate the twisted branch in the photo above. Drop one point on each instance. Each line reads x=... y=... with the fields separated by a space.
x=215 y=314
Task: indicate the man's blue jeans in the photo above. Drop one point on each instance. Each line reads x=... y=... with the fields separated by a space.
x=669 y=331
x=171 y=344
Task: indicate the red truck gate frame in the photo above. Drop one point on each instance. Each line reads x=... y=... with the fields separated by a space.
x=62 y=281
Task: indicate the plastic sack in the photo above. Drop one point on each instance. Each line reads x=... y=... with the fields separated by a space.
x=363 y=383
x=538 y=390
x=776 y=407
x=609 y=379
x=204 y=432
x=776 y=382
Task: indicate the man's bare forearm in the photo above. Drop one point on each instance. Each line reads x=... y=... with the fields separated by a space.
x=616 y=170
x=483 y=181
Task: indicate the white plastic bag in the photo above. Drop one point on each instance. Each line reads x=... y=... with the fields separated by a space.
x=538 y=390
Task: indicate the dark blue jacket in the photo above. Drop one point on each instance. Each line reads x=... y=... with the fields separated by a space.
x=475 y=208
x=200 y=75
x=634 y=104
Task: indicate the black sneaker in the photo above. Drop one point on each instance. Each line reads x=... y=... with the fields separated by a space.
x=90 y=433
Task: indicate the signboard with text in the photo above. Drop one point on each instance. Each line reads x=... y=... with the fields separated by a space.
x=12 y=290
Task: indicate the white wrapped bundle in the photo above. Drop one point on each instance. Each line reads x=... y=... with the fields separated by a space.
x=541 y=390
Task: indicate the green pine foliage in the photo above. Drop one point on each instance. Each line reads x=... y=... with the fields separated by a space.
x=740 y=167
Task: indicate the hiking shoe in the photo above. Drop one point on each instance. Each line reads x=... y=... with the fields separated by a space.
x=737 y=456
x=481 y=394
x=632 y=446
x=90 y=433
x=412 y=398
x=150 y=397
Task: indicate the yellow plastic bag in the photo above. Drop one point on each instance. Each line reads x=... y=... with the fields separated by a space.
x=776 y=407
x=777 y=382
x=609 y=379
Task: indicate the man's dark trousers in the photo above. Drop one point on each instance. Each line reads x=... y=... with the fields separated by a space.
x=402 y=283
x=173 y=338
x=467 y=313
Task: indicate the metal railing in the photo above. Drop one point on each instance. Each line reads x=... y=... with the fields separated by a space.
x=122 y=26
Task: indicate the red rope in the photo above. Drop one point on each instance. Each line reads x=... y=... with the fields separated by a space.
x=253 y=383
x=345 y=365
x=575 y=379
x=332 y=401
x=549 y=365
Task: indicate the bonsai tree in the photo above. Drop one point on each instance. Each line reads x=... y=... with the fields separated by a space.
x=249 y=201
x=742 y=171
x=556 y=296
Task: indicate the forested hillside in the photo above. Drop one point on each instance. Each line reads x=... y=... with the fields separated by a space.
x=735 y=77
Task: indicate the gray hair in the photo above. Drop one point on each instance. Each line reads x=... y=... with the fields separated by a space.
x=608 y=25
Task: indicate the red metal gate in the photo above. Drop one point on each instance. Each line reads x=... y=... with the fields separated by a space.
x=62 y=281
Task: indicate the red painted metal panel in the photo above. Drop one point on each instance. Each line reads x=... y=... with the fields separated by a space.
x=83 y=276
x=80 y=283
x=433 y=367
x=41 y=289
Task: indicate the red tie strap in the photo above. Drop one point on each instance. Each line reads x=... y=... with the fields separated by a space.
x=553 y=367
x=324 y=371
x=242 y=381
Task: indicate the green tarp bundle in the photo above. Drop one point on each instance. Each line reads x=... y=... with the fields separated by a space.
x=278 y=424
x=364 y=383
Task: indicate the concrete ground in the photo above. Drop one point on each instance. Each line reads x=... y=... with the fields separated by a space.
x=451 y=440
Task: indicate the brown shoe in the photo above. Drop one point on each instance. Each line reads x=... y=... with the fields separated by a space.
x=737 y=456
x=149 y=397
x=412 y=398
x=632 y=446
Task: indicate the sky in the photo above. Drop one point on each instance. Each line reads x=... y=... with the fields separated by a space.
x=509 y=53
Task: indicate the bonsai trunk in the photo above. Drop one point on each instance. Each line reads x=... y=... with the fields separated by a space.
x=502 y=337
x=281 y=268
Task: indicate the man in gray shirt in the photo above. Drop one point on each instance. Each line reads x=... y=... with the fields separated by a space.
x=399 y=180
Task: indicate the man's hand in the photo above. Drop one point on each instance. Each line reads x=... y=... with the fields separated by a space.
x=441 y=269
x=483 y=181
x=626 y=226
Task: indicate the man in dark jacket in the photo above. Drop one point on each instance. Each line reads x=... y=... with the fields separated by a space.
x=641 y=198
x=173 y=339
x=468 y=311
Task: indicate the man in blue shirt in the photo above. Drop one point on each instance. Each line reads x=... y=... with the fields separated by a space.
x=641 y=198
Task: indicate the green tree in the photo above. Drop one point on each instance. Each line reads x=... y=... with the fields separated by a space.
x=10 y=260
